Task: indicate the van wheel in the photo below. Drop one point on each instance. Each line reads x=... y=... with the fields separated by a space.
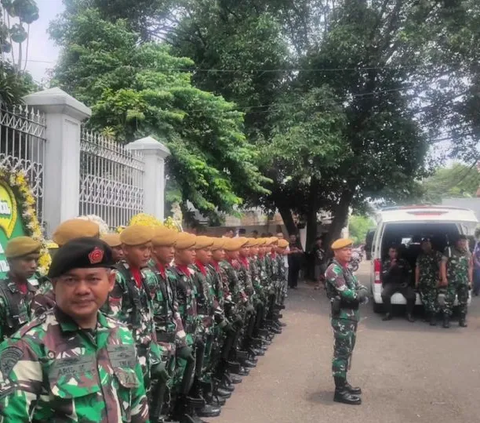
x=377 y=308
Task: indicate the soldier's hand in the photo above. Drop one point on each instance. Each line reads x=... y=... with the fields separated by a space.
x=362 y=294
x=159 y=372
x=186 y=353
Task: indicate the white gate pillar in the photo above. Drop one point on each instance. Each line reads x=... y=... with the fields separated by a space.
x=64 y=116
x=154 y=154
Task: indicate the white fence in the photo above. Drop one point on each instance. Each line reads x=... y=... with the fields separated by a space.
x=111 y=179
x=22 y=146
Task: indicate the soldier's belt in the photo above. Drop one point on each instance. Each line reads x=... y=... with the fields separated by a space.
x=166 y=337
x=349 y=305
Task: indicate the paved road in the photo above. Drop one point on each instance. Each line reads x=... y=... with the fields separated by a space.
x=409 y=372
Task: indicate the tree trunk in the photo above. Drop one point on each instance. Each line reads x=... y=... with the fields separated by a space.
x=313 y=208
x=340 y=215
x=287 y=217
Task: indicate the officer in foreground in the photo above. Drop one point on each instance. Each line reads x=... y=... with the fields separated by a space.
x=73 y=363
x=16 y=292
x=345 y=294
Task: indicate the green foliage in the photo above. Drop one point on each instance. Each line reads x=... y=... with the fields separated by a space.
x=139 y=89
x=358 y=227
x=457 y=181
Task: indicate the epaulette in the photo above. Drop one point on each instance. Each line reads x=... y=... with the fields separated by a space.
x=38 y=321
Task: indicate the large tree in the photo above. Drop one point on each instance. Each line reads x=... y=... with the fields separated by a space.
x=139 y=89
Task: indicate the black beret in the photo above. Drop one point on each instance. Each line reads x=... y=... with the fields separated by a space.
x=81 y=253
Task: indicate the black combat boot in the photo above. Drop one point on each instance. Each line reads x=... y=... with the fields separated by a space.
x=343 y=395
x=355 y=390
x=446 y=321
x=433 y=319
x=463 y=320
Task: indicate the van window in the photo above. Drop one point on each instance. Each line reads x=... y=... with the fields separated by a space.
x=408 y=236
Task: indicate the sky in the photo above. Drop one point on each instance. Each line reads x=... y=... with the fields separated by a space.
x=43 y=51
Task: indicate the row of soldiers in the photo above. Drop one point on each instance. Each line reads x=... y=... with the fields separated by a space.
x=198 y=310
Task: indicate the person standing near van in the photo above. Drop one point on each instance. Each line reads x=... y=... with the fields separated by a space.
x=345 y=295
x=427 y=276
x=396 y=275
x=457 y=276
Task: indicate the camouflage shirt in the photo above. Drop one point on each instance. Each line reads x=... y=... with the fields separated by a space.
x=130 y=303
x=15 y=306
x=429 y=268
x=238 y=294
x=342 y=284
x=51 y=370
x=244 y=276
x=186 y=292
x=458 y=264
x=168 y=322
x=44 y=298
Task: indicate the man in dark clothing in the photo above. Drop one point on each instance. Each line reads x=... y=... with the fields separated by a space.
x=396 y=276
x=294 y=261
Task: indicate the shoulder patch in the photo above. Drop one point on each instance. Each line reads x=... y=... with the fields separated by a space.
x=8 y=358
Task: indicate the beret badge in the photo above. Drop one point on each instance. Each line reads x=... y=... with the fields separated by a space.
x=96 y=256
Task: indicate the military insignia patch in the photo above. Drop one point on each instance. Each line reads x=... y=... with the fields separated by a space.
x=8 y=358
x=96 y=256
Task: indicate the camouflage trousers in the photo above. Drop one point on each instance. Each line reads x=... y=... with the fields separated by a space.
x=345 y=334
x=459 y=291
x=429 y=295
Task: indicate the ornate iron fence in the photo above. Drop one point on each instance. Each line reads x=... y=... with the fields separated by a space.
x=111 y=179
x=22 y=147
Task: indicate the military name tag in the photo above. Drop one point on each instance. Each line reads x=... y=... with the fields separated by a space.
x=68 y=367
x=122 y=356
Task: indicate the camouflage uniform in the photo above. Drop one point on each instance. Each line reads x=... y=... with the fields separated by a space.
x=282 y=282
x=343 y=291
x=44 y=298
x=429 y=268
x=51 y=370
x=15 y=306
x=458 y=263
x=130 y=303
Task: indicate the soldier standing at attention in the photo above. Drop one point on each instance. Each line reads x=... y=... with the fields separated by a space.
x=16 y=292
x=115 y=243
x=427 y=276
x=345 y=294
x=73 y=363
x=130 y=301
x=457 y=275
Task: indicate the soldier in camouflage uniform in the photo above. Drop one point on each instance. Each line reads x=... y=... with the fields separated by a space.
x=345 y=294
x=273 y=272
x=457 y=276
x=16 y=291
x=427 y=276
x=44 y=298
x=73 y=364
x=171 y=336
x=130 y=301
x=188 y=295
x=115 y=243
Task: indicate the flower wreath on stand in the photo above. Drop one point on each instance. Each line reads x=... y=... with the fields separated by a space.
x=17 y=180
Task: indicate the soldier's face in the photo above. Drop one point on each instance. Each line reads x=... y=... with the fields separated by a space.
x=218 y=255
x=393 y=253
x=138 y=255
x=185 y=257
x=117 y=253
x=24 y=267
x=462 y=244
x=244 y=251
x=204 y=255
x=426 y=246
x=344 y=255
x=281 y=251
x=233 y=255
x=164 y=254
x=81 y=292
x=254 y=251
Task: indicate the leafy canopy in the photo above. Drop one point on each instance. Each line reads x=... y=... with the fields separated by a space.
x=139 y=89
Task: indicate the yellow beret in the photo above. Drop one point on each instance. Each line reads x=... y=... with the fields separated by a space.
x=113 y=240
x=234 y=244
x=75 y=228
x=261 y=242
x=164 y=237
x=342 y=243
x=273 y=240
x=185 y=241
x=218 y=243
x=22 y=246
x=252 y=242
x=136 y=235
x=203 y=242
x=283 y=243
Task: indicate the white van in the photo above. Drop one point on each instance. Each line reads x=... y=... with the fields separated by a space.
x=405 y=227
